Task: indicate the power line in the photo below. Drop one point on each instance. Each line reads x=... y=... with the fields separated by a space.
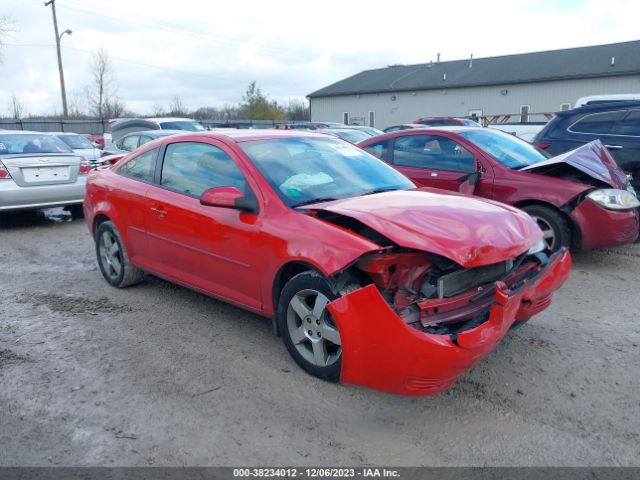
x=127 y=60
x=93 y=10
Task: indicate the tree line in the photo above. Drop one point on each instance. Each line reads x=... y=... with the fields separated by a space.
x=100 y=99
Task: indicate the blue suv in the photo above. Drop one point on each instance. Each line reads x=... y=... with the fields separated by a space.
x=616 y=124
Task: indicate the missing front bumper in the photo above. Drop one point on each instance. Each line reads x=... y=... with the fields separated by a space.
x=380 y=351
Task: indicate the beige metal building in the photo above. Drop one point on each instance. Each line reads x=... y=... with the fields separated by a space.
x=524 y=84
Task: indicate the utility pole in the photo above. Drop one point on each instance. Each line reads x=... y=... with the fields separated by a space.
x=58 y=37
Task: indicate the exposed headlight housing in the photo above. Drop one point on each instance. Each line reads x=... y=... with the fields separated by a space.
x=629 y=186
x=614 y=199
x=538 y=247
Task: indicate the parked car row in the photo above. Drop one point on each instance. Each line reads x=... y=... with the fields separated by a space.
x=396 y=263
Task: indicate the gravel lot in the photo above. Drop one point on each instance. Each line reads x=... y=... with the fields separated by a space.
x=159 y=375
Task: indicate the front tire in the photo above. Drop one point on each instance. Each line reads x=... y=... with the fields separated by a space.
x=113 y=260
x=308 y=331
x=555 y=228
x=76 y=211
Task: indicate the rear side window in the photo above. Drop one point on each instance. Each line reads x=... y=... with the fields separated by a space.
x=432 y=151
x=193 y=168
x=630 y=125
x=600 y=123
x=144 y=139
x=129 y=143
x=379 y=149
x=141 y=167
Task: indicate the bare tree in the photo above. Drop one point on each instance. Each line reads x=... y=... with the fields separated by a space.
x=77 y=105
x=229 y=112
x=157 y=110
x=113 y=107
x=177 y=108
x=103 y=85
x=297 y=110
x=16 y=107
x=207 y=113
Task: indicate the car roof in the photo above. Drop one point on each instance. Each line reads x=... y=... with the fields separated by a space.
x=426 y=128
x=604 y=98
x=246 y=135
x=339 y=129
x=21 y=132
x=169 y=119
x=156 y=133
x=441 y=118
x=594 y=107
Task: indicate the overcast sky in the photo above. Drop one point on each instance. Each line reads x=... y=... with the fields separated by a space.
x=208 y=51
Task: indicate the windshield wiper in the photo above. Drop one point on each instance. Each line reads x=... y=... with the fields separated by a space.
x=381 y=190
x=313 y=200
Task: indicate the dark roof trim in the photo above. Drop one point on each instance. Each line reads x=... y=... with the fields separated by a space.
x=444 y=86
x=612 y=60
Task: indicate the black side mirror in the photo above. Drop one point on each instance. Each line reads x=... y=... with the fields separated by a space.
x=468 y=182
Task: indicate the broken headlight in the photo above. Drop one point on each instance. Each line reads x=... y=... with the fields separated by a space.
x=614 y=199
x=538 y=247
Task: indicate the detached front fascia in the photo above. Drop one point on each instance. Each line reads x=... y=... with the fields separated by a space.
x=380 y=351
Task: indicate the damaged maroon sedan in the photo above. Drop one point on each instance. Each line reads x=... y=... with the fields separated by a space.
x=369 y=280
x=580 y=199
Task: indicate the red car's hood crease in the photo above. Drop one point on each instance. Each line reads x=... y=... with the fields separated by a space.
x=469 y=231
x=592 y=159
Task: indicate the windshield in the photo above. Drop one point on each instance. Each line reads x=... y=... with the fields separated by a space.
x=188 y=125
x=31 y=143
x=76 y=142
x=507 y=149
x=308 y=170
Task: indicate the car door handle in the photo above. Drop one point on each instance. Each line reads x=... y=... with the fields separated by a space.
x=614 y=147
x=159 y=212
x=433 y=174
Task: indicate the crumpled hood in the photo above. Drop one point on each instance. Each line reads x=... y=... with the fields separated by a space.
x=468 y=230
x=593 y=159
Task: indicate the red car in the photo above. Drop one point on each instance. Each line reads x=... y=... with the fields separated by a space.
x=369 y=280
x=446 y=121
x=98 y=139
x=580 y=199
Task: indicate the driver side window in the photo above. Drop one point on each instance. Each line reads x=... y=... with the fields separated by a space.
x=193 y=168
x=433 y=152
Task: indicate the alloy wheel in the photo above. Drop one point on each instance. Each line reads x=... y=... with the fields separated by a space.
x=110 y=255
x=548 y=233
x=311 y=328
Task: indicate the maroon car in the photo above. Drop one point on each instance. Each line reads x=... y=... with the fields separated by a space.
x=446 y=121
x=580 y=199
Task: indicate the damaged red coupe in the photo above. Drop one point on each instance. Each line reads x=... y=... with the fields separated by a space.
x=369 y=280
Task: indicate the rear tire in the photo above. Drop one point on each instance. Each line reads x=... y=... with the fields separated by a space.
x=554 y=226
x=76 y=211
x=113 y=260
x=306 y=326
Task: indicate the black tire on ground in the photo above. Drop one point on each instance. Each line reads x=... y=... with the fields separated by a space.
x=550 y=218
x=309 y=281
x=76 y=210
x=127 y=274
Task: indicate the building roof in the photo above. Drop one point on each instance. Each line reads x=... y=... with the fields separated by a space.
x=569 y=63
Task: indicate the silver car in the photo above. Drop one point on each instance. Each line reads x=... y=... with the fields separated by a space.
x=38 y=170
x=80 y=145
